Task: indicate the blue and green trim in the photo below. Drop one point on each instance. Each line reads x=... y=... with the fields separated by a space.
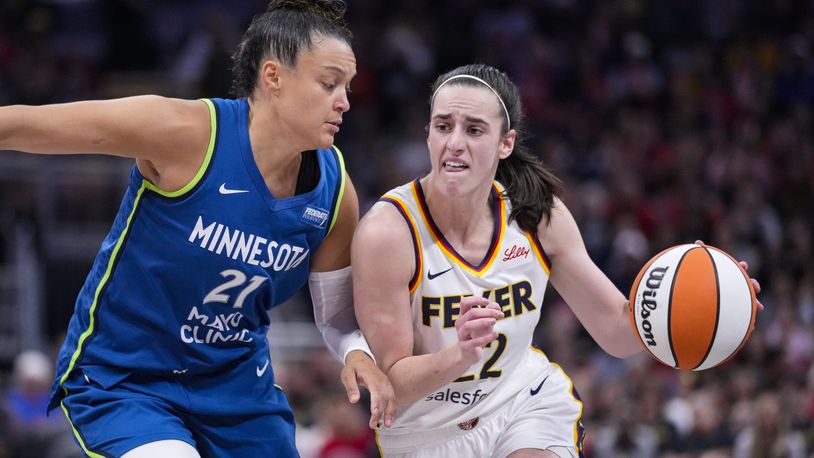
x=340 y=188
x=80 y=439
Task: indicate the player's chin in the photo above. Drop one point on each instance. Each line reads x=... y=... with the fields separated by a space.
x=451 y=189
x=452 y=184
x=325 y=141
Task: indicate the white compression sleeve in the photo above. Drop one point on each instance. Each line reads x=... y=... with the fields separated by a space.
x=332 y=295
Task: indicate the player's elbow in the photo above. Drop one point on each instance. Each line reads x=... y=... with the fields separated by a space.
x=621 y=343
x=623 y=352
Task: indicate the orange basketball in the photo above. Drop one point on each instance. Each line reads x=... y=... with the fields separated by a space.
x=692 y=306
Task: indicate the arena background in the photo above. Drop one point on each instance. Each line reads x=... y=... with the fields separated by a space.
x=668 y=121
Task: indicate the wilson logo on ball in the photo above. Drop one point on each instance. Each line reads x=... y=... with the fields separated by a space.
x=649 y=304
x=692 y=307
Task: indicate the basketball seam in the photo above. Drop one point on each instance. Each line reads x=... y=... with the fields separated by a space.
x=717 y=310
x=670 y=308
x=750 y=326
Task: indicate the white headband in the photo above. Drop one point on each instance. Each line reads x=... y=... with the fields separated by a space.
x=499 y=99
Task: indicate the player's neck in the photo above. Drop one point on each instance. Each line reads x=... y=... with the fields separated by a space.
x=275 y=151
x=460 y=217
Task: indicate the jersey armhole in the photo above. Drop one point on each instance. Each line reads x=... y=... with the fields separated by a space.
x=213 y=134
x=415 y=280
x=539 y=252
x=340 y=191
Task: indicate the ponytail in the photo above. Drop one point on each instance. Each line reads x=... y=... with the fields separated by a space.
x=530 y=186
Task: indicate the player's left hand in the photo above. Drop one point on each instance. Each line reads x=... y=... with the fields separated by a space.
x=755 y=283
x=361 y=370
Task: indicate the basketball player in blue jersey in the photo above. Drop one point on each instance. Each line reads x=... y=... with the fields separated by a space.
x=232 y=206
x=451 y=323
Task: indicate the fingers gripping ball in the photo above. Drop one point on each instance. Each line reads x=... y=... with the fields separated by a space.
x=692 y=306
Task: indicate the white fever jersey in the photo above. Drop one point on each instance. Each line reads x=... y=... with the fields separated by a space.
x=513 y=273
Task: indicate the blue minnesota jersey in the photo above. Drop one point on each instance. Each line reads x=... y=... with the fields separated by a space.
x=184 y=279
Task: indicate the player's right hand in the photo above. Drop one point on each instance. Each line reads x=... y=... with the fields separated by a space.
x=476 y=326
x=755 y=283
x=361 y=370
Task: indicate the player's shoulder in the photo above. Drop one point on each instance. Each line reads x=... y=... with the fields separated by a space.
x=559 y=214
x=387 y=218
x=381 y=219
x=176 y=106
x=164 y=112
x=403 y=193
x=557 y=232
x=383 y=226
x=187 y=121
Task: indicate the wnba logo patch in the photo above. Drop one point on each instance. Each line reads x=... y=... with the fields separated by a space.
x=469 y=425
x=315 y=216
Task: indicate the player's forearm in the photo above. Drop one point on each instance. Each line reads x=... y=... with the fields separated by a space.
x=332 y=296
x=597 y=303
x=14 y=128
x=414 y=377
x=48 y=129
x=616 y=334
x=341 y=343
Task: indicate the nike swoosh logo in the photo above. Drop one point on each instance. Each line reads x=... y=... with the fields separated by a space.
x=224 y=190
x=431 y=275
x=539 y=387
x=262 y=370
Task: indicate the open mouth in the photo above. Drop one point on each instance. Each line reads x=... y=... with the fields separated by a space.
x=454 y=166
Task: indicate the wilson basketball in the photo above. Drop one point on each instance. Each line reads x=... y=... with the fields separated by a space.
x=692 y=306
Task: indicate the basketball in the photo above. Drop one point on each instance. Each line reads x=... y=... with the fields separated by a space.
x=692 y=306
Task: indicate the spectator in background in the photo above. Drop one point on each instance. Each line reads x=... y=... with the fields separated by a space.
x=28 y=397
x=32 y=432
x=347 y=434
x=770 y=435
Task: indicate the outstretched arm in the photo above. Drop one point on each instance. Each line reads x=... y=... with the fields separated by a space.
x=331 y=289
x=596 y=302
x=168 y=137
x=383 y=263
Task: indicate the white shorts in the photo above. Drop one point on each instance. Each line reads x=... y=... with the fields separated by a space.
x=546 y=416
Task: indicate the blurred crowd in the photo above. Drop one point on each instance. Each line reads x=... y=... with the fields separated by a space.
x=668 y=121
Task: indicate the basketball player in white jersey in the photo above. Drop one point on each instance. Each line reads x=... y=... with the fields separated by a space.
x=449 y=276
